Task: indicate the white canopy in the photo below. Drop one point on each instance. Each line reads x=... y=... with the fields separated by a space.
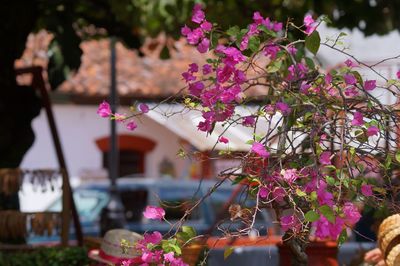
x=183 y=122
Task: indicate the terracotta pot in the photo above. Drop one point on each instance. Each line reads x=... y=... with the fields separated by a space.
x=320 y=253
x=191 y=253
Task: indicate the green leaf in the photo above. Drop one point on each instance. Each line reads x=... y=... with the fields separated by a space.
x=313 y=42
x=311 y=216
x=233 y=31
x=189 y=230
x=327 y=212
x=330 y=180
x=313 y=195
x=397 y=156
x=342 y=237
x=300 y=193
x=267 y=31
x=228 y=251
x=164 y=54
x=254 y=43
x=274 y=66
x=238 y=179
x=183 y=237
x=310 y=63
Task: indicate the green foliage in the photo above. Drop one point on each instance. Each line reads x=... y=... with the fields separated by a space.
x=73 y=256
x=311 y=216
x=313 y=42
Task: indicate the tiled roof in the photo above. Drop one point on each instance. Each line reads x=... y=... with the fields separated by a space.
x=140 y=77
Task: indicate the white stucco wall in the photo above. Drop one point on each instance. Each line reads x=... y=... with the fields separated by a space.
x=79 y=126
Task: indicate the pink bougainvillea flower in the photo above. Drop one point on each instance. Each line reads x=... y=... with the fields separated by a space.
x=193 y=68
x=292 y=49
x=325 y=158
x=195 y=36
x=398 y=74
x=358 y=119
x=324 y=197
x=196 y=88
x=279 y=194
x=283 y=108
x=349 y=79
x=325 y=229
x=259 y=149
x=131 y=125
x=351 y=91
x=223 y=140
x=185 y=30
x=310 y=24
x=188 y=76
x=289 y=175
x=144 y=108
x=290 y=222
x=104 y=109
x=271 y=50
x=197 y=14
x=203 y=46
x=350 y=63
x=351 y=213
x=154 y=213
x=249 y=121
x=263 y=192
x=206 y=26
x=366 y=190
x=372 y=130
x=207 y=69
x=369 y=85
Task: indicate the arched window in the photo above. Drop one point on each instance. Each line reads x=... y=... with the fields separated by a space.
x=132 y=153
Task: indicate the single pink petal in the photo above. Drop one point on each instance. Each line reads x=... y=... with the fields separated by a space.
x=104 y=109
x=358 y=119
x=154 y=212
x=372 y=130
x=369 y=85
x=259 y=149
x=131 y=126
x=144 y=108
x=366 y=190
x=325 y=158
x=223 y=140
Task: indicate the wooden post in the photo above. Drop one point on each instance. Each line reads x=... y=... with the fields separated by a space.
x=68 y=203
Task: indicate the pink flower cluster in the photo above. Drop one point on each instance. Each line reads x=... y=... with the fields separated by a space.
x=197 y=36
x=254 y=29
x=150 y=246
x=104 y=110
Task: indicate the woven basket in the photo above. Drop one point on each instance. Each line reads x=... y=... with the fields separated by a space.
x=389 y=239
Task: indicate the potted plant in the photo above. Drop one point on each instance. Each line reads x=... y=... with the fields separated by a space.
x=316 y=134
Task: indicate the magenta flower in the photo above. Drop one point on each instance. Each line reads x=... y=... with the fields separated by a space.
x=369 y=85
x=197 y=14
x=366 y=190
x=104 y=109
x=324 y=197
x=398 y=74
x=196 y=88
x=188 y=76
x=249 y=121
x=358 y=119
x=203 y=46
x=325 y=158
x=144 y=108
x=290 y=175
x=292 y=49
x=223 y=140
x=206 y=26
x=290 y=222
x=372 y=130
x=131 y=126
x=349 y=63
x=351 y=91
x=351 y=213
x=185 y=30
x=310 y=24
x=207 y=69
x=349 y=79
x=193 y=68
x=259 y=149
x=263 y=192
x=279 y=194
x=152 y=238
x=283 y=107
x=271 y=50
x=154 y=213
x=325 y=229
